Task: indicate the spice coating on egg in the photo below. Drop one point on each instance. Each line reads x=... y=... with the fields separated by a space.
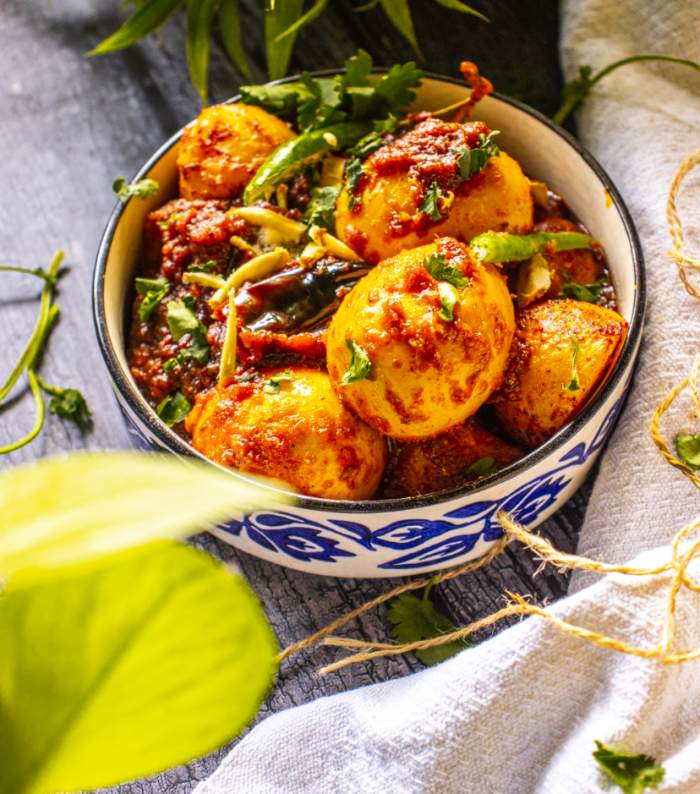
x=289 y=424
x=427 y=373
x=382 y=215
x=221 y=150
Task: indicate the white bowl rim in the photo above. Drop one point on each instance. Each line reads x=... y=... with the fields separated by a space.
x=174 y=443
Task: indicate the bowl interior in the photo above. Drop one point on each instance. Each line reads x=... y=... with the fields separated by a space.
x=543 y=151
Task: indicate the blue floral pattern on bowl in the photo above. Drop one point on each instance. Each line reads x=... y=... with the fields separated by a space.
x=420 y=543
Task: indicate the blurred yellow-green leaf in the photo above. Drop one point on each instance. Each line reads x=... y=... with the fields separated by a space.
x=230 y=24
x=149 y=16
x=123 y=671
x=279 y=17
x=200 y=16
x=75 y=508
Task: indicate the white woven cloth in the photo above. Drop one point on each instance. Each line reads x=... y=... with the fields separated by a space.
x=520 y=713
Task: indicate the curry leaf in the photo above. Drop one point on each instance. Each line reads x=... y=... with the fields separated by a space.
x=457 y=5
x=118 y=672
x=316 y=10
x=200 y=15
x=230 y=24
x=63 y=510
x=634 y=774
x=399 y=14
x=150 y=15
x=279 y=17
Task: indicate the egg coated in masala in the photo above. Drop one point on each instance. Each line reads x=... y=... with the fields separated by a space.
x=289 y=424
x=382 y=214
x=429 y=368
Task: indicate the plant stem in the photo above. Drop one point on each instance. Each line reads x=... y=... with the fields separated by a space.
x=40 y=416
x=36 y=340
x=573 y=101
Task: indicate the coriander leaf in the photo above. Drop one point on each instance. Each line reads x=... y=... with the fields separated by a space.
x=272 y=385
x=392 y=93
x=279 y=99
x=202 y=267
x=358 y=68
x=198 y=349
x=68 y=404
x=574 y=384
x=173 y=409
x=449 y=297
x=360 y=366
x=473 y=161
x=153 y=290
x=438 y=268
x=632 y=773
x=321 y=208
x=688 y=450
x=414 y=619
x=182 y=319
x=584 y=292
x=483 y=467
x=431 y=202
x=142 y=188
x=353 y=174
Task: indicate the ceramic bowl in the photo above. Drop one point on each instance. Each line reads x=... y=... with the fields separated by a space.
x=419 y=534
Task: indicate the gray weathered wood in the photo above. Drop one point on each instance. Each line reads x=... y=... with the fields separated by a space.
x=69 y=125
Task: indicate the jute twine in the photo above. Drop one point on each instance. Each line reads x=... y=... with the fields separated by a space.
x=683 y=552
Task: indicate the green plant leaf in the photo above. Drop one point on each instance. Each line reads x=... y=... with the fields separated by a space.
x=230 y=26
x=150 y=16
x=87 y=505
x=414 y=619
x=279 y=17
x=634 y=774
x=120 y=672
x=399 y=14
x=316 y=10
x=457 y=5
x=688 y=449
x=200 y=15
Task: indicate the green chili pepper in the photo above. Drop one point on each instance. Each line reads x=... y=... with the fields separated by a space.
x=293 y=155
x=504 y=247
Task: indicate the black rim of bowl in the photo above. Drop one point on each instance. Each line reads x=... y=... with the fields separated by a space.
x=170 y=440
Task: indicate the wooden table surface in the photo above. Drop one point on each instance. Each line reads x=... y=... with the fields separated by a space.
x=69 y=125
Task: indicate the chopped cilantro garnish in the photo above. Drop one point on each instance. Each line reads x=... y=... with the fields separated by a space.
x=272 y=385
x=583 y=292
x=431 y=202
x=415 y=619
x=152 y=290
x=634 y=774
x=482 y=468
x=142 y=188
x=353 y=174
x=182 y=320
x=174 y=408
x=449 y=297
x=438 y=268
x=574 y=384
x=202 y=267
x=360 y=366
x=688 y=450
x=67 y=403
x=472 y=161
x=321 y=209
